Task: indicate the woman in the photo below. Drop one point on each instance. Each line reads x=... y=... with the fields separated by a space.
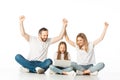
x=62 y=54
x=85 y=53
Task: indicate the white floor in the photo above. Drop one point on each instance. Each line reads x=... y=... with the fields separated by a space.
x=16 y=74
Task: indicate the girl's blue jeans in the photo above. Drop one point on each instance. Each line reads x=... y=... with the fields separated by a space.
x=59 y=70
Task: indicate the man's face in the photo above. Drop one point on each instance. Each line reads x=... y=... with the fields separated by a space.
x=44 y=36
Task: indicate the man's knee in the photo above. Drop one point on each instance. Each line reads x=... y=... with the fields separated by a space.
x=17 y=57
x=49 y=61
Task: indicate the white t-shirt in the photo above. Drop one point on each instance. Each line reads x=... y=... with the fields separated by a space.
x=38 y=49
x=85 y=58
x=62 y=56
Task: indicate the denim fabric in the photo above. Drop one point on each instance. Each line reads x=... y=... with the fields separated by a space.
x=31 y=65
x=57 y=69
x=90 y=67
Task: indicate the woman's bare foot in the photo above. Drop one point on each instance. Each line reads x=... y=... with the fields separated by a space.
x=86 y=72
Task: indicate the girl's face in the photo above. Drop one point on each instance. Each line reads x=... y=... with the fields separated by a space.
x=80 y=41
x=62 y=48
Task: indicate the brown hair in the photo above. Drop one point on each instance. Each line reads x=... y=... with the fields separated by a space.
x=83 y=36
x=42 y=29
x=65 y=53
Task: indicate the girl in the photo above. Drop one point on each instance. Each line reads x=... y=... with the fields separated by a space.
x=62 y=54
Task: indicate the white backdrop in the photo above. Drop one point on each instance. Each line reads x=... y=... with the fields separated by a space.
x=86 y=16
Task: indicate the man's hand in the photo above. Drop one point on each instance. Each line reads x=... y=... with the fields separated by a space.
x=106 y=24
x=22 y=18
x=65 y=22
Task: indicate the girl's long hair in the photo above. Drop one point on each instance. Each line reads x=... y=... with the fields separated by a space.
x=65 y=53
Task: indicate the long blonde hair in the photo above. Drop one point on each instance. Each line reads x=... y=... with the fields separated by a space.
x=65 y=53
x=83 y=36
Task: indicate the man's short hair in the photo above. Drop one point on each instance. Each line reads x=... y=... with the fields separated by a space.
x=42 y=29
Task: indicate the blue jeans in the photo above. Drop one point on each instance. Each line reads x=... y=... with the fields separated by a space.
x=31 y=65
x=59 y=70
x=90 y=67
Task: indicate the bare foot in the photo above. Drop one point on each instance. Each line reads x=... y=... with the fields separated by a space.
x=64 y=73
x=86 y=72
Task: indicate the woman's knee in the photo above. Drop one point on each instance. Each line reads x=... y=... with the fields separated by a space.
x=101 y=64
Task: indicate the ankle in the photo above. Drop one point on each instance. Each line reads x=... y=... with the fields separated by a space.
x=86 y=72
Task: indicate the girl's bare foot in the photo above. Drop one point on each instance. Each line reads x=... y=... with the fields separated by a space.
x=64 y=73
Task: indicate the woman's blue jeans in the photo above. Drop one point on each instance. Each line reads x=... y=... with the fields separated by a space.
x=90 y=67
x=31 y=65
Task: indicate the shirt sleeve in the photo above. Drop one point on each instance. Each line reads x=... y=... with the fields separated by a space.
x=49 y=40
x=31 y=38
x=91 y=44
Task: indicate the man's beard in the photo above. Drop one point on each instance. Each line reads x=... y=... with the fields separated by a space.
x=44 y=39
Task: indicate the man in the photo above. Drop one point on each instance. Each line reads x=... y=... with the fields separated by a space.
x=37 y=59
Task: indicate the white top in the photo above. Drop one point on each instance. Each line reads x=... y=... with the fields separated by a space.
x=85 y=58
x=38 y=49
x=62 y=56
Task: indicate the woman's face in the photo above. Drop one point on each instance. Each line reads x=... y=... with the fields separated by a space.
x=80 y=41
x=62 y=48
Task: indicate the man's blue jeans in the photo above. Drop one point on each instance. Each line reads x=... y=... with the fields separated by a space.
x=31 y=65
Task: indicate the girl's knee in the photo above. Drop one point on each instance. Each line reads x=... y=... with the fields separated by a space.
x=51 y=67
x=70 y=68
